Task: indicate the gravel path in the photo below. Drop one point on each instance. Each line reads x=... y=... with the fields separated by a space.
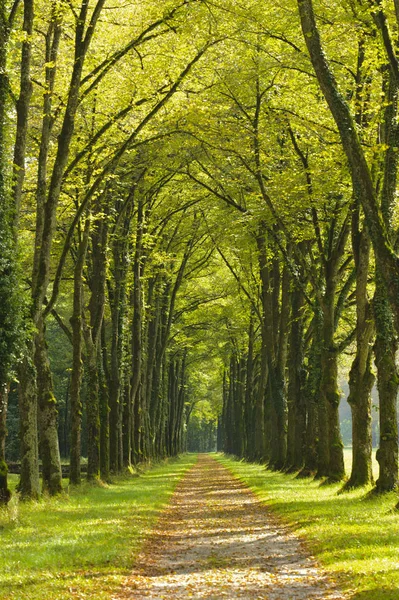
x=216 y=540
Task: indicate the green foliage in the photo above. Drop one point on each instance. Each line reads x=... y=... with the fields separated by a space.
x=202 y=429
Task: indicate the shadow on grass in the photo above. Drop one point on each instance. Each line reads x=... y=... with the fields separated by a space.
x=95 y=528
x=355 y=534
x=376 y=594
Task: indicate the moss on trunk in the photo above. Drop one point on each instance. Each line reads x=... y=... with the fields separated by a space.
x=48 y=418
x=387 y=383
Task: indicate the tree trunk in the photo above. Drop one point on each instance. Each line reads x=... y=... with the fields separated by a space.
x=99 y=239
x=295 y=396
x=118 y=309
x=361 y=378
x=104 y=424
x=260 y=447
x=127 y=423
x=312 y=396
x=137 y=336
x=249 y=449
x=29 y=483
x=5 y=493
x=22 y=108
x=385 y=349
x=333 y=453
x=77 y=367
x=47 y=418
x=279 y=454
x=92 y=410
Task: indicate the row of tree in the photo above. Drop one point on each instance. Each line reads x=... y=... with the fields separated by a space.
x=202 y=198
x=320 y=294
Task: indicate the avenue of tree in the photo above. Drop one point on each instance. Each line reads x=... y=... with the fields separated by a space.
x=198 y=221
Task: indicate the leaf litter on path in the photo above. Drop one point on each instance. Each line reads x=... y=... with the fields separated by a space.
x=217 y=540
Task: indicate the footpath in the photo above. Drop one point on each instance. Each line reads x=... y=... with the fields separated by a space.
x=216 y=540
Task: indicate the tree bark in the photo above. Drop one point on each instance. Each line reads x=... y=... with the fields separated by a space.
x=104 y=410
x=312 y=396
x=385 y=349
x=92 y=409
x=249 y=449
x=118 y=309
x=29 y=483
x=5 y=493
x=77 y=366
x=295 y=393
x=22 y=107
x=330 y=397
x=92 y=333
x=361 y=378
x=279 y=403
x=137 y=336
x=47 y=418
x=260 y=448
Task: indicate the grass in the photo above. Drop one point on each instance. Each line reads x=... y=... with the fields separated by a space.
x=82 y=544
x=354 y=535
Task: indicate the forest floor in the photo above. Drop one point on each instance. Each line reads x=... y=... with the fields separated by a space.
x=217 y=540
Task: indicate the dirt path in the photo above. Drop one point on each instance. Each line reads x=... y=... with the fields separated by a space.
x=216 y=540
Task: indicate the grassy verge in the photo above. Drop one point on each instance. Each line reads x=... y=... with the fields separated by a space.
x=354 y=535
x=82 y=545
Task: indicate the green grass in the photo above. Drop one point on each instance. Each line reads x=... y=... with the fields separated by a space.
x=82 y=545
x=354 y=535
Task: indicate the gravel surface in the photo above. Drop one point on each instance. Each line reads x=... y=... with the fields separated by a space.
x=216 y=540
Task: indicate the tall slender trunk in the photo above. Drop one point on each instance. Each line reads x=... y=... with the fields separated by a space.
x=239 y=407
x=385 y=349
x=279 y=454
x=5 y=493
x=386 y=344
x=48 y=417
x=361 y=378
x=29 y=479
x=126 y=423
x=92 y=409
x=137 y=336
x=153 y=300
x=29 y=483
x=104 y=409
x=249 y=450
x=77 y=367
x=260 y=448
x=295 y=395
x=180 y=408
x=22 y=108
x=330 y=397
x=4 y=228
x=312 y=396
x=117 y=301
x=92 y=333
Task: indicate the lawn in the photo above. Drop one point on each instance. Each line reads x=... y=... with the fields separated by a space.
x=82 y=544
x=354 y=535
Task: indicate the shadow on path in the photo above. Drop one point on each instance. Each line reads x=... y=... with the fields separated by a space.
x=216 y=540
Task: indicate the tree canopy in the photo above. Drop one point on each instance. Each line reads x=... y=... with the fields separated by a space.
x=198 y=233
